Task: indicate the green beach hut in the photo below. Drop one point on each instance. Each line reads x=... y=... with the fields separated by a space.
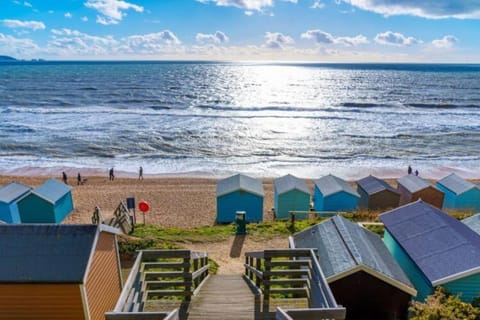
x=51 y=202
x=239 y=193
x=290 y=194
x=459 y=193
x=434 y=249
x=9 y=194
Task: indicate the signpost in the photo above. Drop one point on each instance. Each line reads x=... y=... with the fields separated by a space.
x=144 y=207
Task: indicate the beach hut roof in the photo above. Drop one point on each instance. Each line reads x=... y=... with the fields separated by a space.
x=413 y=183
x=12 y=191
x=330 y=184
x=372 y=185
x=288 y=183
x=52 y=190
x=344 y=248
x=39 y=253
x=473 y=222
x=239 y=182
x=456 y=184
x=441 y=246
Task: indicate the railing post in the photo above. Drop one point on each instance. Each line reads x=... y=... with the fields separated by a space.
x=195 y=268
x=258 y=266
x=187 y=277
x=266 y=284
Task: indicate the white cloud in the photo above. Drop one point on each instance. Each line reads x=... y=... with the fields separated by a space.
x=217 y=37
x=322 y=37
x=395 y=39
x=317 y=4
x=277 y=40
x=27 y=4
x=68 y=15
x=84 y=19
x=249 y=5
x=446 y=42
x=111 y=10
x=34 y=25
x=433 y=9
x=67 y=42
x=17 y=47
x=51 y=11
x=150 y=43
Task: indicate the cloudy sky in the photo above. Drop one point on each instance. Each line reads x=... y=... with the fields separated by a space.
x=282 y=30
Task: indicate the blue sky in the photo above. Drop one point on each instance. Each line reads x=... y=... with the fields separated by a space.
x=282 y=30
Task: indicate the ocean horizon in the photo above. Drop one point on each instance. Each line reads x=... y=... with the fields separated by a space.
x=212 y=119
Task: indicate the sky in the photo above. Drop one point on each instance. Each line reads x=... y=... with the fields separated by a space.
x=251 y=30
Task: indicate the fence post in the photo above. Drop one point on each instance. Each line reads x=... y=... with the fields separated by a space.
x=187 y=276
x=266 y=284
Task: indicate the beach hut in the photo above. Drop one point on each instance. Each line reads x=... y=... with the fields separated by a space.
x=239 y=193
x=473 y=222
x=361 y=272
x=290 y=194
x=51 y=202
x=459 y=193
x=434 y=249
x=52 y=271
x=376 y=193
x=334 y=194
x=412 y=188
x=9 y=194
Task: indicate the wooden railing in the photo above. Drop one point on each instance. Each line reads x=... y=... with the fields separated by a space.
x=296 y=272
x=157 y=274
x=121 y=218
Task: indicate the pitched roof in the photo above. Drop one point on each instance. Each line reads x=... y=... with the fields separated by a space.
x=345 y=247
x=239 y=182
x=35 y=253
x=473 y=222
x=330 y=184
x=13 y=191
x=372 y=185
x=52 y=190
x=442 y=247
x=413 y=183
x=456 y=184
x=288 y=183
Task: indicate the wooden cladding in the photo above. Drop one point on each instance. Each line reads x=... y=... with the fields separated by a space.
x=41 y=302
x=103 y=285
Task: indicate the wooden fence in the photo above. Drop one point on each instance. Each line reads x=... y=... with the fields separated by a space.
x=292 y=272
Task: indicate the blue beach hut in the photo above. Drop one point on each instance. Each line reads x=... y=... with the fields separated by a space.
x=459 y=193
x=473 y=222
x=376 y=193
x=361 y=272
x=9 y=194
x=334 y=194
x=239 y=193
x=434 y=249
x=51 y=202
x=290 y=194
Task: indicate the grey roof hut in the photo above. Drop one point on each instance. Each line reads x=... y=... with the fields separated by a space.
x=363 y=275
x=376 y=193
x=412 y=188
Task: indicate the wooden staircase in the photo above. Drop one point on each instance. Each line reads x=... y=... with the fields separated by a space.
x=121 y=218
x=223 y=297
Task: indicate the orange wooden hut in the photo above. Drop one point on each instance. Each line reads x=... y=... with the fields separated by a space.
x=53 y=271
x=413 y=188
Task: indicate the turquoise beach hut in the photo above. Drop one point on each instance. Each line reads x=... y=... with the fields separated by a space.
x=239 y=193
x=49 y=203
x=334 y=194
x=9 y=194
x=473 y=222
x=459 y=193
x=290 y=194
x=434 y=249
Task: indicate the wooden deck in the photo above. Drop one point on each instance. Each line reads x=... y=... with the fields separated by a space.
x=223 y=297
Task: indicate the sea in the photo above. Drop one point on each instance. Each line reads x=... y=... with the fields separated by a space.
x=213 y=119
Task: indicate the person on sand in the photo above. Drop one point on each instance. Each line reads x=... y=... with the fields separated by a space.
x=111 y=175
x=79 y=179
x=409 y=170
x=416 y=173
x=140 y=173
x=64 y=177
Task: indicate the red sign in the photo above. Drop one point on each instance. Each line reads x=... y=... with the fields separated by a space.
x=143 y=206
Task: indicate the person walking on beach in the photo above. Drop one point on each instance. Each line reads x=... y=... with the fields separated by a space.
x=111 y=175
x=140 y=173
x=416 y=173
x=64 y=177
x=79 y=179
x=409 y=170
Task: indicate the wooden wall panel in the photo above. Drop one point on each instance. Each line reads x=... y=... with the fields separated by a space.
x=103 y=285
x=41 y=302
